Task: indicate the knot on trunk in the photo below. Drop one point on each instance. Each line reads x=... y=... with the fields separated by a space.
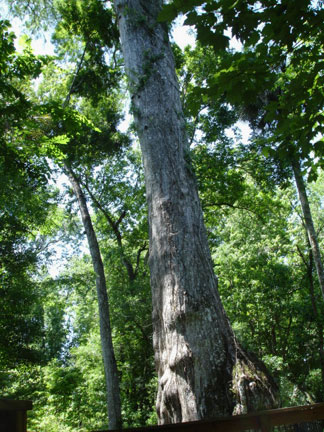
x=253 y=387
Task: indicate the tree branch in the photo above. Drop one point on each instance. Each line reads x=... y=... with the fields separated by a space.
x=115 y=227
x=236 y=207
x=68 y=96
x=300 y=253
x=138 y=257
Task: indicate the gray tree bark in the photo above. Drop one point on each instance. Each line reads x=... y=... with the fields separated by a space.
x=308 y=221
x=110 y=366
x=196 y=355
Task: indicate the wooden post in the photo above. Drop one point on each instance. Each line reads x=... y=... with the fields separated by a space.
x=13 y=415
x=265 y=423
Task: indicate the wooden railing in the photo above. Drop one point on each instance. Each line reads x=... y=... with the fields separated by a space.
x=263 y=421
x=13 y=415
x=13 y=418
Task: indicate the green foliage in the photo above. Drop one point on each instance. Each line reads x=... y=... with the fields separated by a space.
x=15 y=71
x=265 y=286
x=76 y=387
x=131 y=317
x=21 y=328
x=93 y=20
x=275 y=80
x=22 y=176
x=88 y=28
x=220 y=183
x=171 y=10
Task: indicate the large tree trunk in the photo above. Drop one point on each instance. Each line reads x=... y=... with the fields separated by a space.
x=308 y=222
x=195 y=351
x=110 y=366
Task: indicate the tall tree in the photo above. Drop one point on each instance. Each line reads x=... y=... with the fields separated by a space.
x=196 y=354
x=111 y=372
x=308 y=220
x=109 y=360
x=87 y=146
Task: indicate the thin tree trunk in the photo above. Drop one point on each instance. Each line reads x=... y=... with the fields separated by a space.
x=195 y=350
x=319 y=397
x=110 y=366
x=308 y=222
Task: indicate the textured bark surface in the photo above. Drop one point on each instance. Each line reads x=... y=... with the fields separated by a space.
x=252 y=385
x=308 y=222
x=195 y=351
x=110 y=366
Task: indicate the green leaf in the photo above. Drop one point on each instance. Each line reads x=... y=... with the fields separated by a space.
x=168 y=13
x=60 y=140
x=265 y=152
